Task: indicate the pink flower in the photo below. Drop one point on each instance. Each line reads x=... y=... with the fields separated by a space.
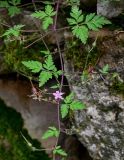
x=58 y=95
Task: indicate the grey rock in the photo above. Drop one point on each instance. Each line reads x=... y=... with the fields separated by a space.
x=110 y=8
x=37 y=115
x=100 y=126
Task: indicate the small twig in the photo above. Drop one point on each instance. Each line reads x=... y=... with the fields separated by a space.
x=34 y=5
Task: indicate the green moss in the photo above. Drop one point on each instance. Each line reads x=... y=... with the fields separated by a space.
x=118 y=87
x=78 y=54
x=12 y=144
x=14 y=53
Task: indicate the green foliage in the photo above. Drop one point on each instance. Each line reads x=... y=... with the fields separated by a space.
x=13 y=31
x=64 y=110
x=95 y=22
x=81 y=32
x=51 y=132
x=11 y=5
x=4 y=4
x=14 y=53
x=11 y=124
x=77 y=105
x=68 y=99
x=59 y=151
x=13 y=10
x=44 y=77
x=45 y=16
x=49 y=64
x=71 y=104
x=105 y=69
x=48 y=69
x=34 y=66
x=81 y=24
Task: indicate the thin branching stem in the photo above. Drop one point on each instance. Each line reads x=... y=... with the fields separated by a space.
x=62 y=68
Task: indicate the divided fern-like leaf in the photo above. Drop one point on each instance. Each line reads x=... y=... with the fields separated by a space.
x=11 y=6
x=49 y=10
x=39 y=14
x=77 y=105
x=44 y=77
x=69 y=98
x=13 y=10
x=75 y=12
x=14 y=31
x=80 y=32
x=51 y=132
x=59 y=151
x=81 y=25
x=71 y=104
x=4 y=4
x=34 y=66
x=64 y=110
x=49 y=64
x=46 y=16
x=94 y=22
x=105 y=69
x=47 y=21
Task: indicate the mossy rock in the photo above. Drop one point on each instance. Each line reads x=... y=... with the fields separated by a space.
x=118 y=87
x=78 y=54
x=12 y=144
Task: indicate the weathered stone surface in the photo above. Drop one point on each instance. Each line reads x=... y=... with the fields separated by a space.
x=37 y=116
x=100 y=126
x=110 y=8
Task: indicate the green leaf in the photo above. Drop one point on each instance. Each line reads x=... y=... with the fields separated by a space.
x=44 y=77
x=47 y=21
x=105 y=69
x=51 y=132
x=75 y=12
x=71 y=21
x=94 y=22
x=76 y=15
x=39 y=14
x=77 y=105
x=34 y=66
x=57 y=73
x=49 y=10
x=64 y=110
x=45 y=52
x=49 y=64
x=13 y=31
x=13 y=10
x=45 y=16
x=69 y=98
x=81 y=25
x=4 y=4
x=89 y=17
x=80 y=32
x=59 y=151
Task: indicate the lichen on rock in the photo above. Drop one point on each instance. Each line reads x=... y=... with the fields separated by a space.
x=100 y=126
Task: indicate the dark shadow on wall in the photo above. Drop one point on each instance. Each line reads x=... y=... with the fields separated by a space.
x=73 y=147
x=12 y=144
